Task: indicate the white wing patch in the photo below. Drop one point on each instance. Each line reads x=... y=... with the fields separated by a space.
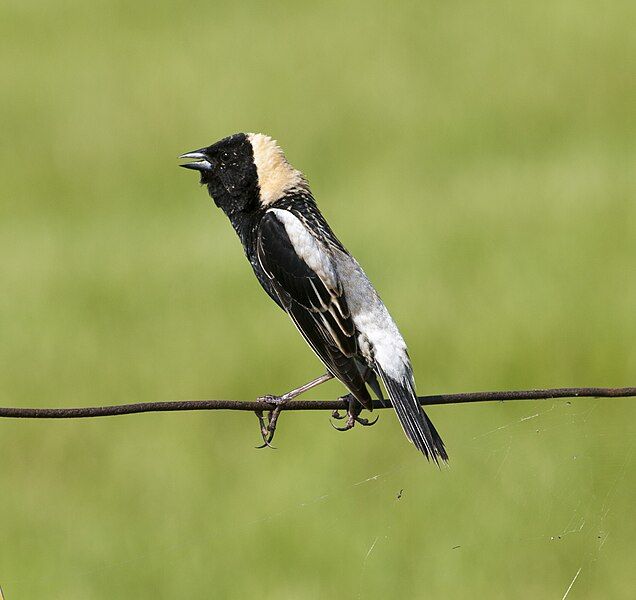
x=326 y=300
x=308 y=248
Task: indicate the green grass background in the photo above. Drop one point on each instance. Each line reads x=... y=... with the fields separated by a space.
x=478 y=159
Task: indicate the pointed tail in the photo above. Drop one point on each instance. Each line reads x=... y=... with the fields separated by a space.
x=415 y=422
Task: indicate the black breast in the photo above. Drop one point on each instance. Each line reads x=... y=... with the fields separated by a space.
x=246 y=226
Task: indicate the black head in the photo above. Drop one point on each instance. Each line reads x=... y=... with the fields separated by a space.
x=227 y=168
x=245 y=172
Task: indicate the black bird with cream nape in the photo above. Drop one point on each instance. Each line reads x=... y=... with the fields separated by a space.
x=305 y=269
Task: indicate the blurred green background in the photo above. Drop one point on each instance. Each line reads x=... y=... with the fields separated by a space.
x=478 y=159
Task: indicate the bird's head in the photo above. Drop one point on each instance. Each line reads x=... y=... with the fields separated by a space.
x=245 y=171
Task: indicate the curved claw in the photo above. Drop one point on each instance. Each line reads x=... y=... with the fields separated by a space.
x=274 y=405
x=267 y=430
x=336 y=415
x=265 y=444
x=345 y=428
x=352 y=420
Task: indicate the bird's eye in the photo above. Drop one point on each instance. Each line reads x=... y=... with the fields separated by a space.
x=226 y=157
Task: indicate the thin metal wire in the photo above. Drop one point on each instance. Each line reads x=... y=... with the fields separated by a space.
x=189 y=405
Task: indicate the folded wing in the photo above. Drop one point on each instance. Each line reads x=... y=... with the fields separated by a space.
x=302 y=272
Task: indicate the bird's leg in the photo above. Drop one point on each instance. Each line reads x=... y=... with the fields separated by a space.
x=268 y=428
x=353 y=414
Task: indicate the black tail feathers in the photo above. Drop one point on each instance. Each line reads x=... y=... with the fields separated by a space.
x=415 y=422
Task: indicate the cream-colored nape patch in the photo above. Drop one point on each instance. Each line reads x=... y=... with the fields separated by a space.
x=275 y=175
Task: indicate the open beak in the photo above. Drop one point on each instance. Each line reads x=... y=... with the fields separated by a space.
x=201 y=162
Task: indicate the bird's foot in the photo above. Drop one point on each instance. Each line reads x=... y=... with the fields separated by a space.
x=273 y=400
x=352 y=416
x=274 y=405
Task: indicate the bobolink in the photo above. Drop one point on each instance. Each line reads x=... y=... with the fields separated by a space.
x=307 y=271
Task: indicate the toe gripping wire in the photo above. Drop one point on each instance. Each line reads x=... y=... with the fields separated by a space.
x=275 y=404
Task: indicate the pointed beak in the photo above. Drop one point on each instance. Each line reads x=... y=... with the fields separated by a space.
x=201 y=162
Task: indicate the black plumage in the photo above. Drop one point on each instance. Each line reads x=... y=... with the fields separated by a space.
x=306 y=270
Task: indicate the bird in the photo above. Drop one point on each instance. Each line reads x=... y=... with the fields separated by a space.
x=307 y=271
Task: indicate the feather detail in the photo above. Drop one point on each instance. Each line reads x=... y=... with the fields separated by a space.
x=302 y=271
x=415 y=422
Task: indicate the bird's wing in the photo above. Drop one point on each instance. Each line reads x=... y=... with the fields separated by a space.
x=301 y=269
